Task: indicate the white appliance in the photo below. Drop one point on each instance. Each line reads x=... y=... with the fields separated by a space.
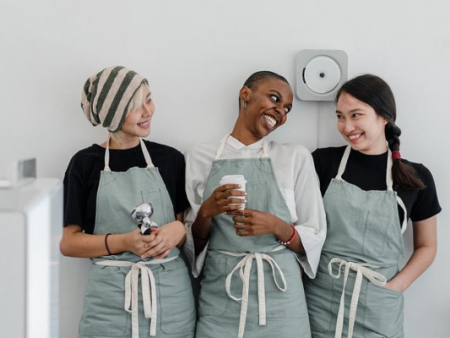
x=30 y=231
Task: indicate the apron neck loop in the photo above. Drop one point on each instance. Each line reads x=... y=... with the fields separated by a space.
x=223 y=143
x=389 y=181
x=390 y=185
x=148 y=160
x=107 y=168
x=343 y=163
x=265 y=149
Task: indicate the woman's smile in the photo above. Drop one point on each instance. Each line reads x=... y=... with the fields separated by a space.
x=271 y=122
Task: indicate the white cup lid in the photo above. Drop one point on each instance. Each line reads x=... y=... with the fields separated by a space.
x=233 y=178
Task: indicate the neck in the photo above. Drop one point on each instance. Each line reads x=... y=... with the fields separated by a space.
x=378 y=150
x=123 y=141
x=243 y=135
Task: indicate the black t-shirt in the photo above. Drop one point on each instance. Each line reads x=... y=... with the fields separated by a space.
x=83 y=177
x=368 y=172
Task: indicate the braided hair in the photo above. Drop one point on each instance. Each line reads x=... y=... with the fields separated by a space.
x=375 y=92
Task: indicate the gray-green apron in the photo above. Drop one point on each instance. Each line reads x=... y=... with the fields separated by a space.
x=364 y=240
x=113 y=298
x=239 y=298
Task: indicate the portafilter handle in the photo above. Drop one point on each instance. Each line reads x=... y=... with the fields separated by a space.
x=141 y=214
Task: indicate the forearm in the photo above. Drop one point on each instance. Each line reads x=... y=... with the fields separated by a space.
x=200 y=231
x=180 y=218
x=79 y=244
x=419 y=262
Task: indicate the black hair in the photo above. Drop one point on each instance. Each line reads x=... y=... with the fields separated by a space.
x=258 y=78
x=375 y=92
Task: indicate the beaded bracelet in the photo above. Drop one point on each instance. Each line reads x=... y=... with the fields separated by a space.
x=106 y=243
x=289 y=241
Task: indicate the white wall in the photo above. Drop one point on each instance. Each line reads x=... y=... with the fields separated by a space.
x=196 y=55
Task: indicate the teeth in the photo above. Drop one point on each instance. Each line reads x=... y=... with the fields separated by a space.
x=144 y=123
x=353 y=137
x=271 y=120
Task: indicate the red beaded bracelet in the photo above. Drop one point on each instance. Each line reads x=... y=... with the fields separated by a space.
x=289 y=241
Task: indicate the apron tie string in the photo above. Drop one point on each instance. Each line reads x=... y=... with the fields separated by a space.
x=361 y=270
x=148 y=288
x=245 y=266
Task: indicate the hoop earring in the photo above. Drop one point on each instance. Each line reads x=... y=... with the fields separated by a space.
x=244 y=104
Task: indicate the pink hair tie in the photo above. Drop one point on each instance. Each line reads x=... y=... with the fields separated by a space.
x=396 y=155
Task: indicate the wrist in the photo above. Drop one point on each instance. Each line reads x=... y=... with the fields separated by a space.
x=288 y=240
x=398 y=285
x=282 y=230
x=117 y=243
x=204 y=214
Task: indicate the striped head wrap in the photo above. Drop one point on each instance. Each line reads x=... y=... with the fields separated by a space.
x=107 y=95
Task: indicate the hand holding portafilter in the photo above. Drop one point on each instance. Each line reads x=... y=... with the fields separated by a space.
x=141 y=214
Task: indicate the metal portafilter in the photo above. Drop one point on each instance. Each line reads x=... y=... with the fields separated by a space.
x=141 y=214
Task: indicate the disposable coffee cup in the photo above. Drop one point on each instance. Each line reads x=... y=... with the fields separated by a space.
x=235 y=179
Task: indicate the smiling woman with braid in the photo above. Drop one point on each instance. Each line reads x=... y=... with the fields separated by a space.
x=370 y=192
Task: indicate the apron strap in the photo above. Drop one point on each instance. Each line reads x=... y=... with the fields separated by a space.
x=148 y=287
x=361 y=270
x=223 y=143
x=245 y=266
x=343 y=163
x=389 y=180
x=148 y=160
x=390 y=184
x=107 y=168
x=265 y=149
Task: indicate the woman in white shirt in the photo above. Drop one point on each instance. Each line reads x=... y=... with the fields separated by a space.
x=283 y=210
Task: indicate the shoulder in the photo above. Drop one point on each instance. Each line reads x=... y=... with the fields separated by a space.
x=87 y=155
x=330 y=154
x=162 y=150
x=291 y=149
x=204 y=151
x=423 y=172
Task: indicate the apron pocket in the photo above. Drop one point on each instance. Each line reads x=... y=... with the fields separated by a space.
x=176 y=301
x=103 y=312
x=155 y=198
x=213 y=298
x=375 y=233
x=319 y=294
x=383 y=313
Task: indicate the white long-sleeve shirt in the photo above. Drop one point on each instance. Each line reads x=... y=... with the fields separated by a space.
x=294 y=170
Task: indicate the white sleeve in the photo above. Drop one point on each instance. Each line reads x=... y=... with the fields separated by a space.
x=311 y=222
x=198 y=164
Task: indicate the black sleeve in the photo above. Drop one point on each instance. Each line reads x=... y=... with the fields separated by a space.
x=326 y=162
x=75 y=194
x=181 y=202
x=318 y=165
x=426 y=204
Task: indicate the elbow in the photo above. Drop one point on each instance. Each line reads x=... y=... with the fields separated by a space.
x=63 y=248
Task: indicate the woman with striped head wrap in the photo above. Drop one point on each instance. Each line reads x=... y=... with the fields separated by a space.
x=103 y=184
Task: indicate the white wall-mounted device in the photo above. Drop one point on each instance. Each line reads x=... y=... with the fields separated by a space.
x=320 y=73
